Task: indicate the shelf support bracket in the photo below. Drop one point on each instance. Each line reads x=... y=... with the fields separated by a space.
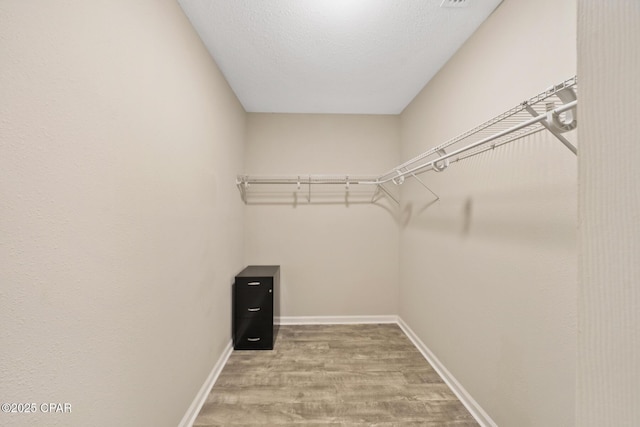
x=240 y=183
x=381 y=187
x=554 y=132
x=425 y=186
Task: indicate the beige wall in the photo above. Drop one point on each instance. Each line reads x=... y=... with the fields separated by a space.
x=121 y=233
x=120 y=226
x=488 y=273
x=608 y=388
x=338 y=257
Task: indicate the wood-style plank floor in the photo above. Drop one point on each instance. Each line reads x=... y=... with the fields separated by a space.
x=333 y=375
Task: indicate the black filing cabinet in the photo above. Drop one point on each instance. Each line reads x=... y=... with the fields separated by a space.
x=256 y=301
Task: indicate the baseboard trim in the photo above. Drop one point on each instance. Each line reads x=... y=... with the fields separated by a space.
x=334 y=320
x=469 y=402
x=192 y=413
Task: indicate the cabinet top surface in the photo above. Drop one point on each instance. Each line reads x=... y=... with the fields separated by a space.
x=259 y=270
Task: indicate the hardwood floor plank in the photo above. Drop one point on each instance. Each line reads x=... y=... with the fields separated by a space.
x=333 y=375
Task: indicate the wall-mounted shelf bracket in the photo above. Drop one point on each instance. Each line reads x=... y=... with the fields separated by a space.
x=556 y=124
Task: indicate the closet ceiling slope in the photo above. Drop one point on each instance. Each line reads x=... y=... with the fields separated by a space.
x=333 y=56
x=553 y=110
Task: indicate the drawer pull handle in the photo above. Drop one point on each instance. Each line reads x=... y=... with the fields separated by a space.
x=253 y=339
x=253 y=284
x=254 y=309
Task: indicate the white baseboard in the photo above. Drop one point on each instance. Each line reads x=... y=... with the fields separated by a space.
x=192 y=413
x=469 y=402
x=333 y=320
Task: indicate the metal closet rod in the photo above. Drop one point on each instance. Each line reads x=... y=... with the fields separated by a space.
x=564 y=91
x=549 y=120
x=308 y=179
x=397 y=174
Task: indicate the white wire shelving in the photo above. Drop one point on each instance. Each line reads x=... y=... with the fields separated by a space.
x=553 y=110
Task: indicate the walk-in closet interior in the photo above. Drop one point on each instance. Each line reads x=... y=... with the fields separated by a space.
x=489 y=218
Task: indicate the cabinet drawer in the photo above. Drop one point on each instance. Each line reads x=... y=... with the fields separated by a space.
x=253 y=334
x=254 y=309
x=254 y=284
x=254 y=297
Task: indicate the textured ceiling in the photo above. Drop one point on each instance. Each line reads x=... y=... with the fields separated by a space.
x=332 y=56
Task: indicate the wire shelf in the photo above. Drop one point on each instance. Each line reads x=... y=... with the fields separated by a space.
x=500 y=130
x=552 y=110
